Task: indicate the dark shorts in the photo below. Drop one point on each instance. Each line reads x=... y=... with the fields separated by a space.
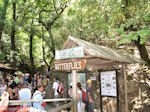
x=90 y=107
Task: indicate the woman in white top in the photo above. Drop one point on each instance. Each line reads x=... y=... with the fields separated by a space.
x=3 y=87
x=80 y=104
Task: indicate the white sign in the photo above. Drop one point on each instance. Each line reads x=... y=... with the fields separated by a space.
x=93 y=78
x=108 y=83
x=75 y=52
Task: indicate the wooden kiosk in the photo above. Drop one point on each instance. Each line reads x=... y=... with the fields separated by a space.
x=79 y=55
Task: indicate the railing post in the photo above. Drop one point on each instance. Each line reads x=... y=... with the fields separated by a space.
x=72 y=108
x=74 y=87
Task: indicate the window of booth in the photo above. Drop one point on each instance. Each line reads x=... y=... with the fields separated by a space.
x=81 y=77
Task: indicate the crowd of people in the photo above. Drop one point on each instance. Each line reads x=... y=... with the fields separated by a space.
x=85 y=98
x=20 y=87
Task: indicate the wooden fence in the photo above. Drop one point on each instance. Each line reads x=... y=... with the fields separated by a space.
x=69 y=105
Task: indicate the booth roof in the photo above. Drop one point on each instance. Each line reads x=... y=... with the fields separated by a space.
x=6 y=67
x=105 y=52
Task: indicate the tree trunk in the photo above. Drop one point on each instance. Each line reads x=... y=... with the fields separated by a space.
x=2 y=17
x=126 y=1
x=13 y=31
x=52 y=48
x=52 y=41
x=142 y=50
x=31 y=50
x=43 y=50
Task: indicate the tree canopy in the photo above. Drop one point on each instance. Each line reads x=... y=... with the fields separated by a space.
x=31 y=30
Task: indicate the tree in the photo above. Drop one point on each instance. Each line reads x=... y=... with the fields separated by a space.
x=3 y=16
x=31 y=49
x=53 y=13
x=13 y=32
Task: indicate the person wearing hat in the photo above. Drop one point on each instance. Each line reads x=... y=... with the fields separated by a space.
x=25 y=93
x=90 y=97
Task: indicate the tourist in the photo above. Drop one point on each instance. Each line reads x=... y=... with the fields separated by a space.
x=25 y=93
x=29 y=83
x=90 y=97
x=34 y=83
x=12 y=91
x=21 y=78
x=24 y=78
x=38 y=96
x=19 y=87
x=70 y=91
x=55 y=87
x=45 y=80
x=80 y=105
x=39 y=81
x=3 y=87
x=7 y=79
x=16 y=79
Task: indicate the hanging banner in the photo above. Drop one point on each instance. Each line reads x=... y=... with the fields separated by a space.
x=108 y=83
x=70 y=65
x=76 y=52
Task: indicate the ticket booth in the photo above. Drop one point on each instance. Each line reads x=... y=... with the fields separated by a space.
x=103 y=65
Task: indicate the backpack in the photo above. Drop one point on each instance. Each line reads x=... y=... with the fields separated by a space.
x=83 y=96
x=60 y=88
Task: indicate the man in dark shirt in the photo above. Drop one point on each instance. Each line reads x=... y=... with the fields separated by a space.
x=34 y=83
x=90 y=97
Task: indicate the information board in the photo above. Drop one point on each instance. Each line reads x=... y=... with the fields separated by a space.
x=108 y=83
x=75 y=52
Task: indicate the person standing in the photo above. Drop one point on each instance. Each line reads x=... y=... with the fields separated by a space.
x=45 y=81
x=90 y=97
x=12 y=91
x=70 y=91
x=80 y=105
x=3 y=87
x=38 y=96
x=55 y=87
x=25 y=93
x=16 y=79
x=34 y=83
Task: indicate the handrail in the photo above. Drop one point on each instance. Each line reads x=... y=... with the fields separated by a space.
x=24 y=102
x=63 y=107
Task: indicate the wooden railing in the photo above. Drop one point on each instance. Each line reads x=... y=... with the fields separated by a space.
x=62 y=107
x=69 y=105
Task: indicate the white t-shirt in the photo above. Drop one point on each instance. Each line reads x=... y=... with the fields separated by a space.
x=2 y=89
x=55 y=86
x=25 y=94
x=80 y=104
x=38 y=96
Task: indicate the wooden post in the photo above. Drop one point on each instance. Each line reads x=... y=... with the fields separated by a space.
x=101 y=99
x=117 y=84
x=74 y=87
x=126 y=89
x=72 y=109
